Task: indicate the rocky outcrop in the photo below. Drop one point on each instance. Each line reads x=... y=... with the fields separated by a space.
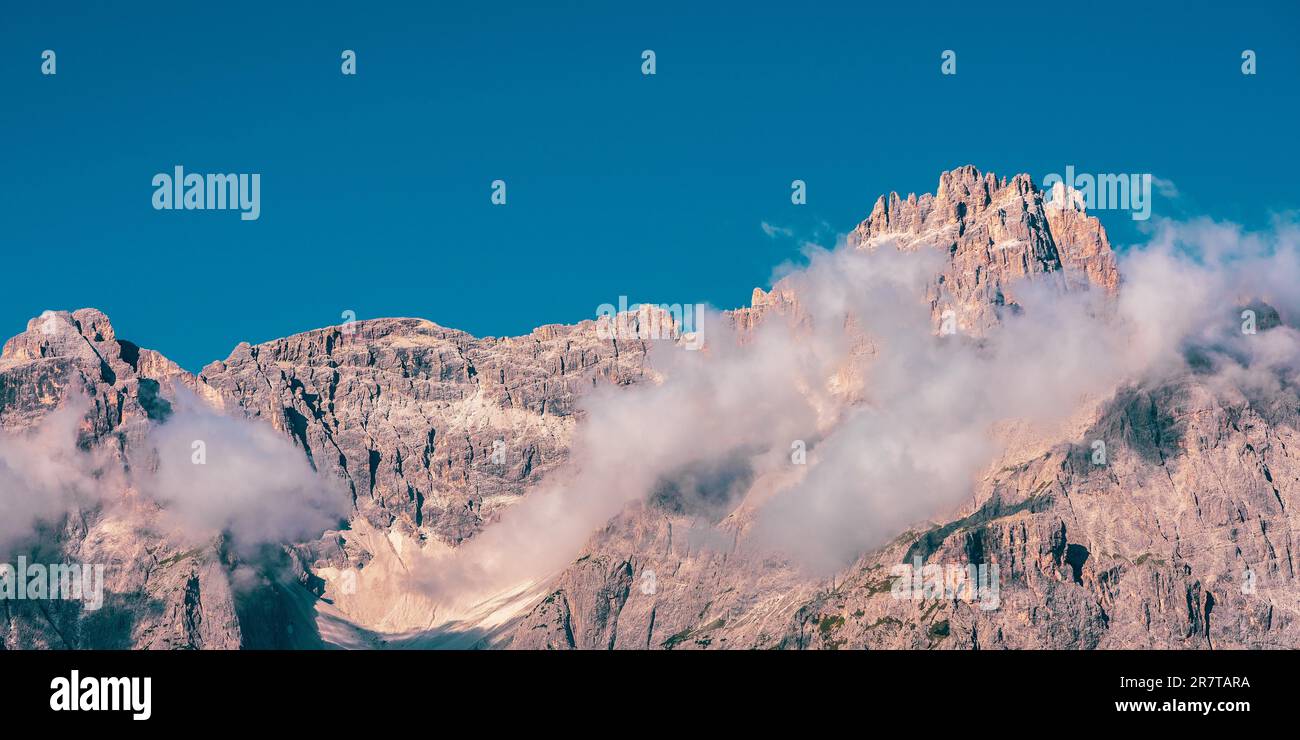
x=995 y=232
x=435 y=431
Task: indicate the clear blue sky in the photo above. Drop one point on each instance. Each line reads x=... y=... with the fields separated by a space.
x=375 y=188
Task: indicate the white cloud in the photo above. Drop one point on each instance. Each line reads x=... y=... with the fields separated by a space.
x=253 y=484
x=775 y=231
x=43 y=474
x=1166 y=188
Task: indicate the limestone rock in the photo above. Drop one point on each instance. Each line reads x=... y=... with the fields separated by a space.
x=1184 y=539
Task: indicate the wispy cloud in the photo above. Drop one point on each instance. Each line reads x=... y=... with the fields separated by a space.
x=1166 y=188
x=207 y=474
x=776 y=231
x=44 y=473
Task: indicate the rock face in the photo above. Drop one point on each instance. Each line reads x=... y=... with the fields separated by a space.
x=1184 y=539
x=435 y=431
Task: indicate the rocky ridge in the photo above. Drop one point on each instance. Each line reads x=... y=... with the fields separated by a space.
x=1149 y=551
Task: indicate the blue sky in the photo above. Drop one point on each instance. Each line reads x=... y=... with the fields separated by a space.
x=376 y=188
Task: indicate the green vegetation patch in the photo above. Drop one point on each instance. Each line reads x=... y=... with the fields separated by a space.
x=688 y=633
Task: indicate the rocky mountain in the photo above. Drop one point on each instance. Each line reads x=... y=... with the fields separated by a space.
x=1182 y=539
x=995 y=232
x=157 y=595
x=407 y=413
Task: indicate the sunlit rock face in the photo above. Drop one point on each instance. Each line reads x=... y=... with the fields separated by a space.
x=1183 y=538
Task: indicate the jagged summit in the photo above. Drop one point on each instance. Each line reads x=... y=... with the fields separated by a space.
x=60 y=334
x=994 y=234
x=996 y=231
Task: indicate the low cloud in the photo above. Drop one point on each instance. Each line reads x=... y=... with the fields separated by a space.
x=252 y=484
x=219 y=473
x=43 y=474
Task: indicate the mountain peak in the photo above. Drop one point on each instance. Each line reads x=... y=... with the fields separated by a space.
x=995 y=233
x=60 y=334
x=59 y=346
